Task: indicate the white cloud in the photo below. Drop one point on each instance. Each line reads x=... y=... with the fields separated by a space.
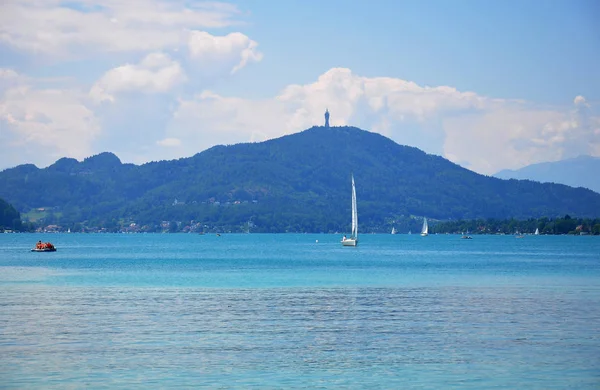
x=399 y=109
x=157 y=72
x=398 y=97
x=234 y=50
x=69 y=29
x=42 y=125
x=209 y=119
x=169 y=142
x=579 y=100
x=514 y=135
x=508 y=136
x=481 y=133
x=9 y=78
x=8 y=74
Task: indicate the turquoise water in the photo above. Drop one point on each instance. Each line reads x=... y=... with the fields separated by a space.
x=299 y=311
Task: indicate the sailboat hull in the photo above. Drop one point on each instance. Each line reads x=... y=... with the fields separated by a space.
x=349 y=242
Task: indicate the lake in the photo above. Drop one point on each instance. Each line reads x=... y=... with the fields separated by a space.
x=299 y=311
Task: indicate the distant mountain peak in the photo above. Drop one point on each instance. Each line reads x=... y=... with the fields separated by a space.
x=64 y=164
x=578 y=171
x=23 y=169
x=104 y=159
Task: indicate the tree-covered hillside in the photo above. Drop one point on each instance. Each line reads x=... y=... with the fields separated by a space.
x=300 y=182
x=10 y=218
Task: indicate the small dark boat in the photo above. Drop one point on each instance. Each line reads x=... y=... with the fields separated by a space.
x=467 y=237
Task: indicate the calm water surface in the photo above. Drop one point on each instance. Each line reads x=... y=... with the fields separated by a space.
x=299 y=311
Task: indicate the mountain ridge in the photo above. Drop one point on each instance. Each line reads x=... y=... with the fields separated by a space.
x=298 y=182
x=574 y=172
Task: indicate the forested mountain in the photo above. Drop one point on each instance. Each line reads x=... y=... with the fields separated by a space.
x=581 y=171
x=299 y=182
x=10 y=219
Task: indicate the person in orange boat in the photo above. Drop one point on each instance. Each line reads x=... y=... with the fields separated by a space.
x=39 y=245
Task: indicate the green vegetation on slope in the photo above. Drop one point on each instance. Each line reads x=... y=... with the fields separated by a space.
x=300 y=182
x=10 y=218
x=564 y=225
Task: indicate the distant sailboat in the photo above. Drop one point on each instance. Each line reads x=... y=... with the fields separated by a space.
x=537 y=232
x=393 y=230
x=425 y=229
x=353 y=240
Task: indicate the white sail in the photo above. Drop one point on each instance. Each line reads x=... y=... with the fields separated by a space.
x=353 y=240
x=393 y=230
x=537 y=231
x=425 y=229
x=354 y=211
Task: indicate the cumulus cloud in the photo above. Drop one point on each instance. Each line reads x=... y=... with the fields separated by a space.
x=399 y=109
x=157 y=72
x=8 y=75
x=582 y=133
x=513 y=135
x=67 y=29
x=502 y=137
x=579 y=100
x=209 y=119
x=399 y=98
x=234 y=50
x=43 y=125
x=481 y=133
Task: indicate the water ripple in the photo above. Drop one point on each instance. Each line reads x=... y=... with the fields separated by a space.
x=55 y=337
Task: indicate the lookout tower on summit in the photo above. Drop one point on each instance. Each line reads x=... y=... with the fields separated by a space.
x=327 y=118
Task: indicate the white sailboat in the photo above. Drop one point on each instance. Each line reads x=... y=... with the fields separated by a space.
x=425 y=229
x=393 y=230
x=353 y=239
x=537 y=232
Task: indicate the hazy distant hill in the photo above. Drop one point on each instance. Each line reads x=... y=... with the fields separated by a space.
x=299 y=182
x=581 y=171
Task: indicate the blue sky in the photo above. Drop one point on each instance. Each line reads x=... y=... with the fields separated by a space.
x=547 y=52
x=489 y=85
